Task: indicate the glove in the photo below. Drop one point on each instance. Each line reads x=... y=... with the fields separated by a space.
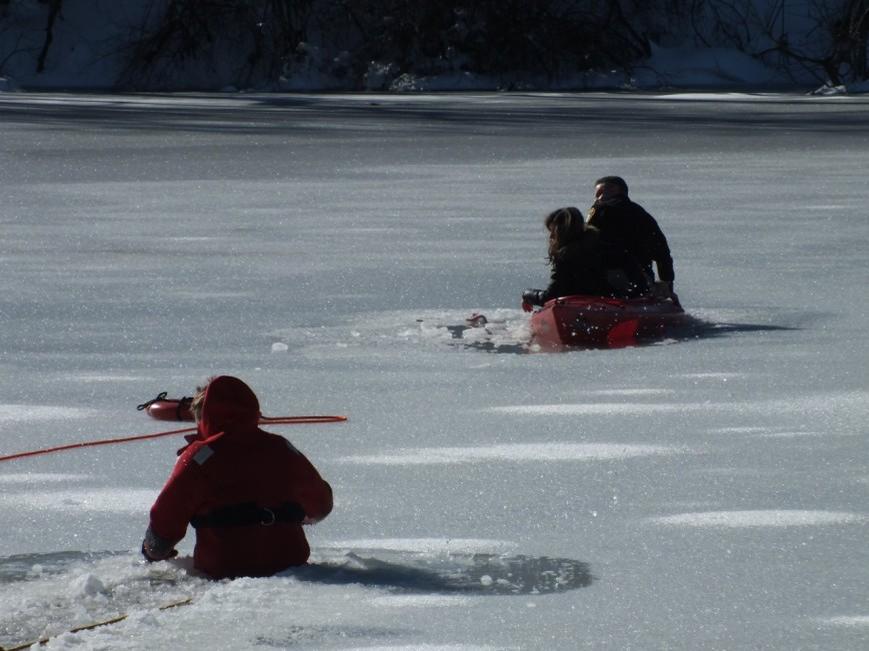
x=155 y=548
x=153 y=559
x=662 y=289
x=532 y=297
x=527 y=307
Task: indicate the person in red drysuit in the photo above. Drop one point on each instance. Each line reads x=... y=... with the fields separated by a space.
x=246 y=492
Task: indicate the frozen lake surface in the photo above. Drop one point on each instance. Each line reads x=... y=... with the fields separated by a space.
x=709 y=493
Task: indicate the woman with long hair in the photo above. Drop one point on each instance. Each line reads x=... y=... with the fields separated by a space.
x=582 y=263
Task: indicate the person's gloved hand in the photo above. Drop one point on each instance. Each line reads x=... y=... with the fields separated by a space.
x=662 y=289
x=155 y=548
x=148 y=554
x=532 y=297
x=527 y=307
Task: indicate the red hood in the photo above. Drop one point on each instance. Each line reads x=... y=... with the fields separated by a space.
x=229 y=405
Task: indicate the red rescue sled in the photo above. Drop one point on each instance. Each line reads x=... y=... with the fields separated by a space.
x=599 y=322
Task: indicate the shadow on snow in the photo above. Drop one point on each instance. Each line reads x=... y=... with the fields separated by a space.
x=467 y=113
x=404 y=572
x=463 y=574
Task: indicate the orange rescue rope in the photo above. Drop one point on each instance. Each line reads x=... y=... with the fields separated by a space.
x=276 y=420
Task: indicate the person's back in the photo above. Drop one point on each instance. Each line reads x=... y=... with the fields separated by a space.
x=595 y=267
x=266 y=471
x=246 y=492
x=626 y=224
x=583 y=263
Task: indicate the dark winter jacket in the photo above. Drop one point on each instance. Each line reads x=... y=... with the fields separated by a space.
x=594 y=267
x=625 y=223
x=246 y=491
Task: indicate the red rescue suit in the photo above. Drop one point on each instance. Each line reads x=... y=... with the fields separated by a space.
x=232 y=468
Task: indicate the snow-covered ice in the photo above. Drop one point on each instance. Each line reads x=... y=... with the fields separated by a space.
x=328 y=249
x=518 y=452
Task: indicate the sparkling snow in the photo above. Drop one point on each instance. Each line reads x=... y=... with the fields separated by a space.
x=701 y=494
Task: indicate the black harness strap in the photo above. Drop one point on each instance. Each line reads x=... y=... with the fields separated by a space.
x=247 y=514
x=183 y=407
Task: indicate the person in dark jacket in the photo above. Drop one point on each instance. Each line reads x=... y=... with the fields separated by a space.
x=245 y=491
x=582 y=262
x=625 y=223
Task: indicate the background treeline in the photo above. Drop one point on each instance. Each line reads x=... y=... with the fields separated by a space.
x=383 y=44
